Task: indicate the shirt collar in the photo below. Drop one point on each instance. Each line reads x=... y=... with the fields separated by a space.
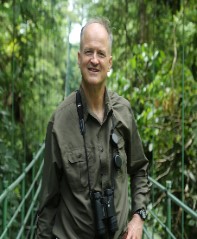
x=107 y=103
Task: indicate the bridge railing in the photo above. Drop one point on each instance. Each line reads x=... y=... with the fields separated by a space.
x=166 y=222
x=20 y=223
x=15 y=220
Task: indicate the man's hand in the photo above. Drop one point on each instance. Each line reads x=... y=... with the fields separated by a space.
x=135 y=228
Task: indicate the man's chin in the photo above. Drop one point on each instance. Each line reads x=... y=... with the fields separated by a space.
x=93 y=83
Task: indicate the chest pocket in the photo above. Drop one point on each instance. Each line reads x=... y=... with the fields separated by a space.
x=76 y=169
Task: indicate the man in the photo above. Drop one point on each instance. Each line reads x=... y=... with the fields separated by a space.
x=91 y=144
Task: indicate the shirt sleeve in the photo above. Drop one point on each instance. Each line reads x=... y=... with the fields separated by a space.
x=49 y=197
x=137 y=168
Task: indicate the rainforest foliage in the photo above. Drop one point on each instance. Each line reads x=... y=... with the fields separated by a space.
x=154 y=67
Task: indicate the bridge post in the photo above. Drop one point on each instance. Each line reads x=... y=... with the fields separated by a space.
x=23 y=196
x=169 y=218
x=32 y=197
x=5 y=207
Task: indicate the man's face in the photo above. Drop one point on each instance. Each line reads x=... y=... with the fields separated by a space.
x=94 y=58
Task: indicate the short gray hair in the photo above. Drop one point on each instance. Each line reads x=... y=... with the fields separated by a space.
x=102 y=21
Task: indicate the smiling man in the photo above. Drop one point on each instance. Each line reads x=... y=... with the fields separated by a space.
x=92 y=145
x=95 y=61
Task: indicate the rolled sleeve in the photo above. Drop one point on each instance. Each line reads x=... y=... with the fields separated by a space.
x=137 y=169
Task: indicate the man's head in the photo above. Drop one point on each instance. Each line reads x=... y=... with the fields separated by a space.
x=94 y=57
x=103 y=22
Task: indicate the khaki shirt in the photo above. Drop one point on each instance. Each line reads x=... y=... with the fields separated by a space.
x=65 y=207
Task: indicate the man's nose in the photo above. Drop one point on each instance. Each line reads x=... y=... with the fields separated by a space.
x=94 y=59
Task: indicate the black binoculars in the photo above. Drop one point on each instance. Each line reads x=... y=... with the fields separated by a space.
x=104 y=210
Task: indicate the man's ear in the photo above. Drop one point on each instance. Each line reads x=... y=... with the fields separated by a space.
x=79 y=58
x=110 y=62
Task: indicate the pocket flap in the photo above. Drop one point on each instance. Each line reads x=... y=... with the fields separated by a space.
x=76 y=156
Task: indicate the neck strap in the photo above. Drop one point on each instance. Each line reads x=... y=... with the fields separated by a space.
x=79 y=106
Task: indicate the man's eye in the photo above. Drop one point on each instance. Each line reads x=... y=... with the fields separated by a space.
x=88 y=52
x=101 y=54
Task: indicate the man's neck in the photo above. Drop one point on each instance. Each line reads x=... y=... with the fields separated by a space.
x=95 y=99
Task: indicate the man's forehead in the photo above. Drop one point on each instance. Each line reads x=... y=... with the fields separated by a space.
x=94 y=26
x=95 y=31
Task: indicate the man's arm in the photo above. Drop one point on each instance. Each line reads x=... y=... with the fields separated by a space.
x=140 y=187
x=49 y=198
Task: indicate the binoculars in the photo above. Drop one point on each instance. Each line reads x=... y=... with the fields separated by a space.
x=104 y=210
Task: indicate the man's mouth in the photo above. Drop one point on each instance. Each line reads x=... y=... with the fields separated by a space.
x=93 y=69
